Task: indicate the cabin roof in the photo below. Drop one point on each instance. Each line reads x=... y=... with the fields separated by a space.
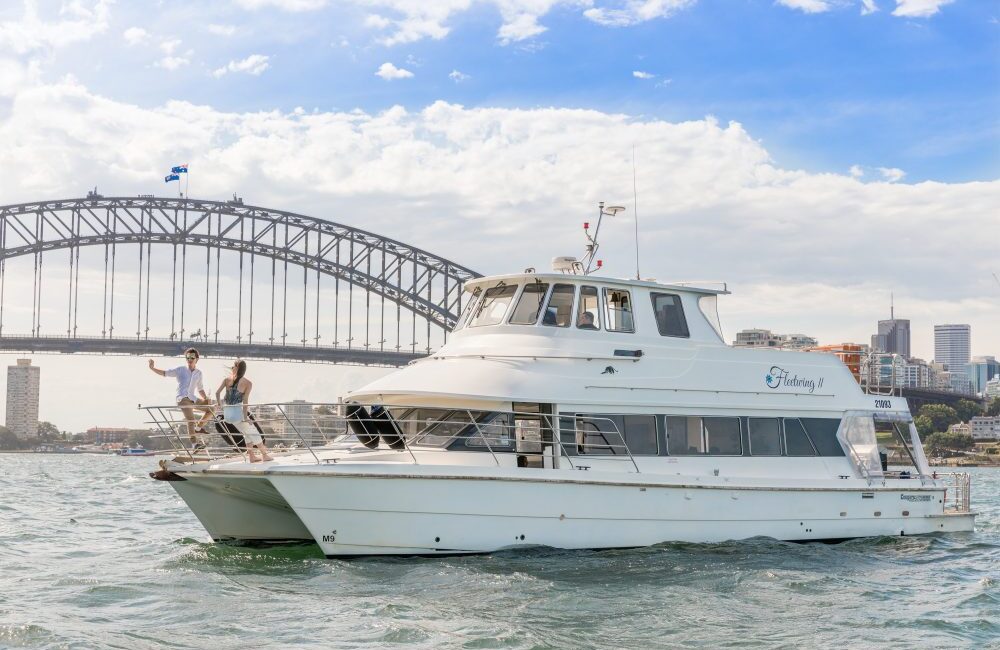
x=688 y=287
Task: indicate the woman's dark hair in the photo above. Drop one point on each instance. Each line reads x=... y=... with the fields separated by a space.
x=241 y=369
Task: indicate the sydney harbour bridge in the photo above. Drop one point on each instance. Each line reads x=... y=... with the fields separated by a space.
x=151 y=276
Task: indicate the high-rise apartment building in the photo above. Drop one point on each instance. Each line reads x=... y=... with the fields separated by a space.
x=953 y=346
x=23 y=381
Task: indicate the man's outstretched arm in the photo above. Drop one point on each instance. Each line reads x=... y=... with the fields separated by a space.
x=153 y=367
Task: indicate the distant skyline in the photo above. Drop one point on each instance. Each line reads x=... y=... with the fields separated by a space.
x=815 y=154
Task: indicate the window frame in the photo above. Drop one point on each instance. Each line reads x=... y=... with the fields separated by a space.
x=548 y=300
x=781 y=436
x=704 y=433
x=599 y=323
x=607 y=309
x=701 y=435
x=541 y=304
x=470 y=307
x=805 y=433
x=500 y=288
x=653 y=295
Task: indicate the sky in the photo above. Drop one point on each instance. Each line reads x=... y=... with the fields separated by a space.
x=817 y=155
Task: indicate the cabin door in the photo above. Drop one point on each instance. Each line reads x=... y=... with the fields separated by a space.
x=533 y=435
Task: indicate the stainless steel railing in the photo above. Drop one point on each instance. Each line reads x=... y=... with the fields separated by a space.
x=287 y=428
x=958 y=491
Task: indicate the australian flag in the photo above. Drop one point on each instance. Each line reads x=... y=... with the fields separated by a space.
x=179 y=169
x=171 y=177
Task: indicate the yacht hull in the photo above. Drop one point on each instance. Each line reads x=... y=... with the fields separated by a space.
x=241 y=508
x=352 y=515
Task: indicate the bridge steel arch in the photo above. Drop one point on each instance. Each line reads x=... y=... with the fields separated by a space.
x=421 y=282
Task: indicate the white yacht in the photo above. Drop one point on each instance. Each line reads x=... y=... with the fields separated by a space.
x=576 y=411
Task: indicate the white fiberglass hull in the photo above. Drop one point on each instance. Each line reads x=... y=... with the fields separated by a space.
x=350 y=514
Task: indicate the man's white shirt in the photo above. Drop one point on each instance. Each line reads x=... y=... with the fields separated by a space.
x=189 y=382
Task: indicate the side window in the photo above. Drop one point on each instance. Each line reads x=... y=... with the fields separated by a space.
x=599 y=435
x=669 y=315
x=529 y=304
x=494 y=305
x=722 y=436
x=796 y=441
x=765 y=437
x=823 y=433
x=618 y=310
x=588 y=314
x=473 y=299
x=492 y=432
x=559 y=310
x=640 y=435
x=684 y=436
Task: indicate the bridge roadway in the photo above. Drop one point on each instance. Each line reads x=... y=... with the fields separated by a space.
x=209 y=349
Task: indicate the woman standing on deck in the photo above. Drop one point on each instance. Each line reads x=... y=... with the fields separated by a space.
x=234 y=409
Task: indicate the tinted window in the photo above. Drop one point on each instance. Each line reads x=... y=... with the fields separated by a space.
x=492 y=432
x=796 y=441
x=722 y=436
x=684 y=436
x=640 y=435
x=588 y=314
x=599 y=435
x=494 y=305
x=823 y=433
x=765 y=437
x=669 y=315
x=618 y=310
x=529 y=304
x=559 y=310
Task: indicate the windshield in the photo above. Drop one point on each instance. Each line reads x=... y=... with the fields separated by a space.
x=493 y=306
x=473 y=299
x=432 y=427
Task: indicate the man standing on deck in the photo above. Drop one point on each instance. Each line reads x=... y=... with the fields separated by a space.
x=190 y=391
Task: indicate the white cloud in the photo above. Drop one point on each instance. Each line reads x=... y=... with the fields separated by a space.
x=807 y=6
x=891 y=174
x=389 y=72
x=172 y=62
x=639 y=74
x=221 y=30
x=632 y=12
x=135 y=35
x=453 y=179
x=868 y=7
x=458 y=77
x=170 y=46
x=255 y=64
x=377 y=22
x=919 y=8
x=285 y=5
x=857 y=171
x=31 y=32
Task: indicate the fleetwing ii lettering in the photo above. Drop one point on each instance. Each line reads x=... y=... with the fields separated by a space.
x=778 y=377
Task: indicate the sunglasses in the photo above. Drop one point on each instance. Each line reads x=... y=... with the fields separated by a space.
x=190 y=357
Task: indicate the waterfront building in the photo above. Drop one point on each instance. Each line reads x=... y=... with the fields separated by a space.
x=107 y=435
x=23 y=382
x=851 y=354
x=762 y=338
x=916 y=374
x=985 y=427
x=953 y=346
x=980 y=370
x=963 y=428
x=300 y=415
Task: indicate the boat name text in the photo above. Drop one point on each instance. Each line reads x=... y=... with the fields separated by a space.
x=778 y=377
x=915 y=497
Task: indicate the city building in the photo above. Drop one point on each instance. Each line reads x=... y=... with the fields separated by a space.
x=992 y=388
x=761 y=338
x=852 y=354
x=23 y=382
x=963 y=428
x=953 y=348
x=980 y=370
x=893 y=335
x=916 y=374
x=985 y=427
x=300 y=415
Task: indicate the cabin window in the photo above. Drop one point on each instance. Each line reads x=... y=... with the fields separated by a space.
x=601 y=435
x=494 y=305
x=823 y=434
x=669 y=315
x=618 y=310
x=709 y=306
x=588 y=313
x=684 y=436
x=529 y=304
x=765 y=437
x=493 y=432
x=473 y=299
x=559 y=310
x=722 y=436
x=796 y=441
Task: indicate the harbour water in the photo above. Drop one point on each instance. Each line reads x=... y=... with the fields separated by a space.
x=94 y=554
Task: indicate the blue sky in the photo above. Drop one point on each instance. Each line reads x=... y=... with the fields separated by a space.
x=823 y=91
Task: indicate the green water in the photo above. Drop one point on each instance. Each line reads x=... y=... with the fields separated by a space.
x=93 y=554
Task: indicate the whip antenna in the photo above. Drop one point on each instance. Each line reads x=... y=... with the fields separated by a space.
x=635 y=201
